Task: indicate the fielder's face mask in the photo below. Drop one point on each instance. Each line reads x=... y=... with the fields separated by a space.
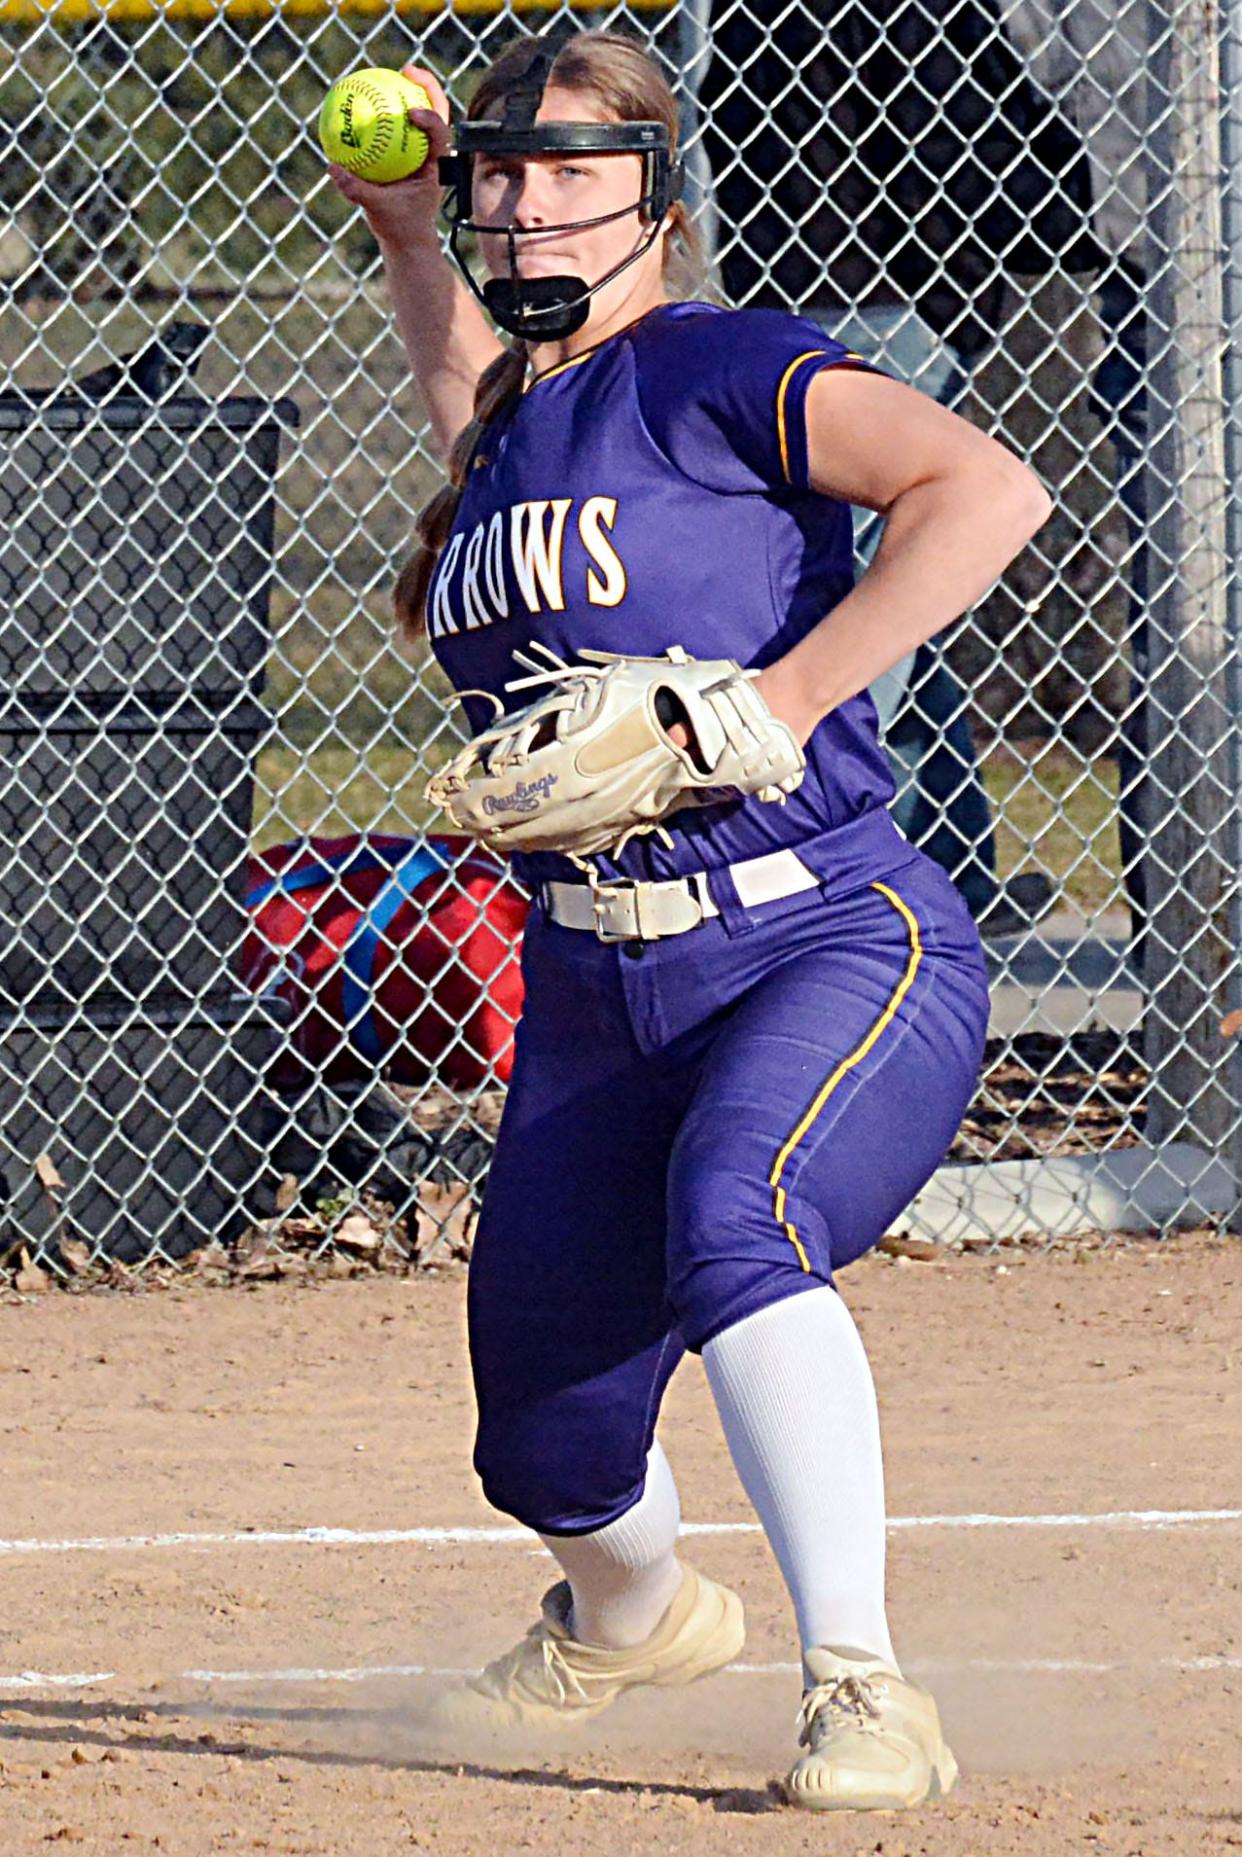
x=546 y=309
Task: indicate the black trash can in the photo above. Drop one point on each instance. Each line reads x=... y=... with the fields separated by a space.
x=150 y=1114
x=125 y=828
x=136 y=558
x=136 y=541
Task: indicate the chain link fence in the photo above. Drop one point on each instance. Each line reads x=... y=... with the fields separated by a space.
x=210 y=460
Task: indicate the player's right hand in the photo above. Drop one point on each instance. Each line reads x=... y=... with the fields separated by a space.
x=404 y=213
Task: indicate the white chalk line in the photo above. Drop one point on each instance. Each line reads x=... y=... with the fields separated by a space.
x=466 y=1537
x=30 y=1680
x=1037 y=1666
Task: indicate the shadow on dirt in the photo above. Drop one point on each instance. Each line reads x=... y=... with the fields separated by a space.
x=132 y=1728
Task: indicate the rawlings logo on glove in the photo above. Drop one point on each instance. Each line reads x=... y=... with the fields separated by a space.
x=525 y=796
x=591 y=762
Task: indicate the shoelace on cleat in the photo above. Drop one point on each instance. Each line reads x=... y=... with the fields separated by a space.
x=559 y=1674
x=849 y=1701
x=554 y=1677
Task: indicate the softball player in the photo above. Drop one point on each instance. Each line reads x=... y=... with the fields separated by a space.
x=746 y=1042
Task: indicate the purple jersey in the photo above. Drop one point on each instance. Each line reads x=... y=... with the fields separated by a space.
x=654 y=491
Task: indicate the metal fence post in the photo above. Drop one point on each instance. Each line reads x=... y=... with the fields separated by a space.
x=1231 y=119
x=695 y=53
x=1190 y=855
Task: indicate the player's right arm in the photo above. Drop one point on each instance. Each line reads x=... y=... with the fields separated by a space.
x=445 y=333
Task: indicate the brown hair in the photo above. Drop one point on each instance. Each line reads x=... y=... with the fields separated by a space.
x=627 y=83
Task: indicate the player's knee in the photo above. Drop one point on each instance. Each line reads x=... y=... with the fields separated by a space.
x=724 y=1264
x=728 y=1252
x=555 y=1483
x=711 y=1294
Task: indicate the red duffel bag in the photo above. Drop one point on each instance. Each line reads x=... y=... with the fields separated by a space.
x=392 y=953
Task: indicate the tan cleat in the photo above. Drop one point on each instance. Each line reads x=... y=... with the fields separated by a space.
x=873 y=1739
x=549 y=1681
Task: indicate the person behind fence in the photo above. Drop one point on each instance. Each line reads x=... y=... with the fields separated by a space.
x=748 y=1038
x=890 y=175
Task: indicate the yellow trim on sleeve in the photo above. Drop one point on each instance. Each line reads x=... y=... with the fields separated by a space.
x=781 y=433
x=855 y=1057
x=812 y=354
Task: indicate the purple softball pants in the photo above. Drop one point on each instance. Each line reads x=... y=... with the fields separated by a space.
x=693 y=1131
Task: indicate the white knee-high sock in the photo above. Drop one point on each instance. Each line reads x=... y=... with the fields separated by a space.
x=625 y=1576
x=793 y=1387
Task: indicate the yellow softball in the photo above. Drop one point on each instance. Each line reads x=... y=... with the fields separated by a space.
x=365 y=127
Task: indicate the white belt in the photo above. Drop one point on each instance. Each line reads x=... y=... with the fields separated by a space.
x=625 y=910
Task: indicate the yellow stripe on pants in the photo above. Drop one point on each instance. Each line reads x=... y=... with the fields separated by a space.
x=847 y=1064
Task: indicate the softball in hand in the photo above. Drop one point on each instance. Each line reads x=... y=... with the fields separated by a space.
x=365 y=126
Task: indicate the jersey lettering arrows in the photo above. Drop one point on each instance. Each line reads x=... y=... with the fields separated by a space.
x=472 y=588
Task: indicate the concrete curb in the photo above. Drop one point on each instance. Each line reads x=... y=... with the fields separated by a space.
x=1139 y=1189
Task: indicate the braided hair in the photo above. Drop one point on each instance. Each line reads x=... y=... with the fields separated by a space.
x=499 y=386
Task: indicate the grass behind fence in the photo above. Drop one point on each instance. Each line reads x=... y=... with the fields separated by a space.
x=1055 y=809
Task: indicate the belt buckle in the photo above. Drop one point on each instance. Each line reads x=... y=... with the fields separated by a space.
x=602 y=894
x=648 y=919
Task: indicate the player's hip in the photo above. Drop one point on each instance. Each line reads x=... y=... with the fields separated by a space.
x=862 y=953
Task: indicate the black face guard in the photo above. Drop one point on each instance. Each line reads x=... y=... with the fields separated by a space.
x=546 y=309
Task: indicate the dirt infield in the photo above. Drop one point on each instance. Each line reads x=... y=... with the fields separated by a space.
x=1088 y=1661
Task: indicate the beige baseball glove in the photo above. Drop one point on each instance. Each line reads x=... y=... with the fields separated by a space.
x=591 y=762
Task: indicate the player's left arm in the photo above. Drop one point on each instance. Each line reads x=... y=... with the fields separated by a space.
x=958 y=508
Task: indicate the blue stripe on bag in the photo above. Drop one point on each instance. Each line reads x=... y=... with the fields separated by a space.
x=322 y=870
x=357 y=981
